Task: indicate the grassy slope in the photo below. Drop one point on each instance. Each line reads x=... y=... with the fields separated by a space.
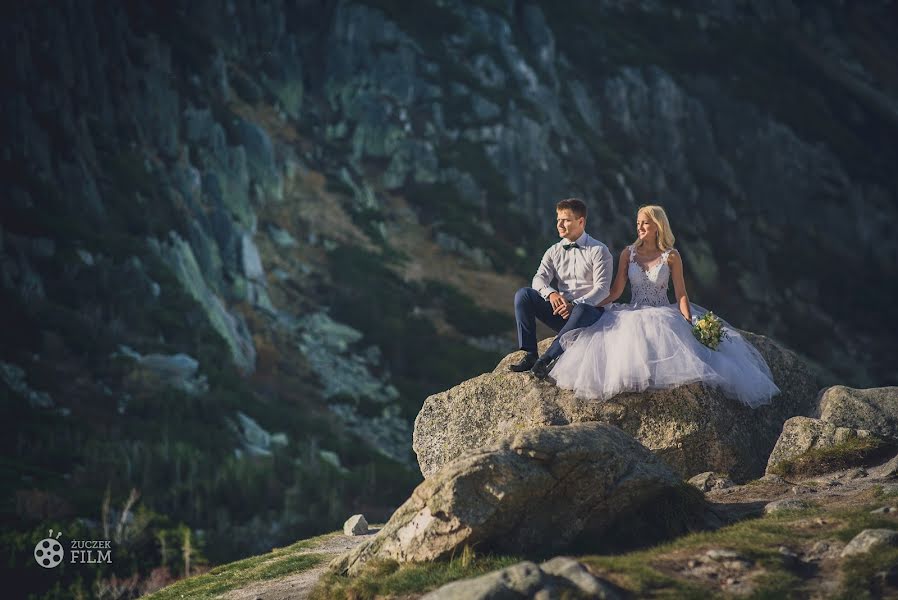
x=280 y=562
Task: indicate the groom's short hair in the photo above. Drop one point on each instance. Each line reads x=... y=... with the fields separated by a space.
x=575 y=205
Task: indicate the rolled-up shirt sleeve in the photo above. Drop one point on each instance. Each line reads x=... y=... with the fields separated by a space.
x=602 y=266
x=542 y=281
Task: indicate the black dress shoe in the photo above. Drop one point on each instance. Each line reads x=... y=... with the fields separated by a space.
x=541 y=367
x=525 y=363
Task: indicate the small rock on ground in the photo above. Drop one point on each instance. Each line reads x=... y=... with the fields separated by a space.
x=868 y=540
x=710 y=480
x=785 y=504
x=355 y=525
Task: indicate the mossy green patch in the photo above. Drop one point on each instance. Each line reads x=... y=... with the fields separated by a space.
x=851 y=453
x=212 y=584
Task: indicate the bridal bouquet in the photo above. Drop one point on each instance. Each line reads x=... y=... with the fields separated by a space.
x=709 y=330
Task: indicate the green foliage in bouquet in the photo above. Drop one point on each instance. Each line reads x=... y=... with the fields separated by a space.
x=709 y=330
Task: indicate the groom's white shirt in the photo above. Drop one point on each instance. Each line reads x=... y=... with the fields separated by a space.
x=583 y=273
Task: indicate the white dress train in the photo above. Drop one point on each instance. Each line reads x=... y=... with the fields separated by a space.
x=647 y=344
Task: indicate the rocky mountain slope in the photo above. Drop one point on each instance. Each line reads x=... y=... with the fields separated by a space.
x=820 y=523
x=240 y=239
x=541 y=475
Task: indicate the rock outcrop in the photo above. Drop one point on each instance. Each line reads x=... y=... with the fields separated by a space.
x=873 y=409
x=693 y=428
x=803 y=434
x=854 y=428
x=536 y=491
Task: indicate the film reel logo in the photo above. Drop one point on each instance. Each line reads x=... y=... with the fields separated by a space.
x=48 y=552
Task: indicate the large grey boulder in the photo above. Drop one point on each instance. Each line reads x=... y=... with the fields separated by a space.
x=803 y=434
x=856 y=426
x=535 y=490
x=693 y=428
x=873 y=409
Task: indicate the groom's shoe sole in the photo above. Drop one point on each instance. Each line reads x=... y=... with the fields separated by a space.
x=525 y=364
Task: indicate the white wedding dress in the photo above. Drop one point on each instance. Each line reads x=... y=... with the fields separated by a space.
x=647 y=344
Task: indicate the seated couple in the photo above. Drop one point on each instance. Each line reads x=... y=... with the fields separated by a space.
x=603 y=348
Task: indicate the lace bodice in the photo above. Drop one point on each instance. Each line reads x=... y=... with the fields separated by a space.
x=649 y=286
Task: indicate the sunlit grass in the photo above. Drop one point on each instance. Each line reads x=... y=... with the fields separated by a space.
x=280 y=562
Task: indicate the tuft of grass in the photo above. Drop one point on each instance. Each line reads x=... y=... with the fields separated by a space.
x=853 y=452
x=380 y=578
x=863 y=575
x=883 y=493
x=280 y=562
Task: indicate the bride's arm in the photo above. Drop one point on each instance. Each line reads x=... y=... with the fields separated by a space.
x=617 y=288
x=676 y=272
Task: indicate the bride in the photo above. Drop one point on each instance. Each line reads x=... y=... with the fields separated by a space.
x=648 y=344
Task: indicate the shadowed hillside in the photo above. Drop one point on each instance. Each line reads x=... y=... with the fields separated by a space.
x=241 y=243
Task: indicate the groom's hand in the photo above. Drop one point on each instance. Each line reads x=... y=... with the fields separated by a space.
x=560 y=305
x=565 y=310
x=557 y=301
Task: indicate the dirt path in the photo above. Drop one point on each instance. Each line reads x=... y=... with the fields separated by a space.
x=299 y=585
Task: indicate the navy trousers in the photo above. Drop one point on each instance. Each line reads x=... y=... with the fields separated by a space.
x=529 y=306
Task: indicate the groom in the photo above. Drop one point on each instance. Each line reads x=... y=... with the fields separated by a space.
x=582 y=267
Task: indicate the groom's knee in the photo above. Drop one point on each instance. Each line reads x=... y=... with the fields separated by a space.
x=523 y=296
x=578 y=311
x=584 y=315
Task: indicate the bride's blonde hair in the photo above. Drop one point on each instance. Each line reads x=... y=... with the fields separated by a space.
x=665 y=237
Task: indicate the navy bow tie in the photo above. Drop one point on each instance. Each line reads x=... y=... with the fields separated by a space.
x=569 y=246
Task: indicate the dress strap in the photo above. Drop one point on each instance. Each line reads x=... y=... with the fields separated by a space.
x=632 y=249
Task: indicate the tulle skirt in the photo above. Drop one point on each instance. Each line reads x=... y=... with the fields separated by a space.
x=636 y=348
